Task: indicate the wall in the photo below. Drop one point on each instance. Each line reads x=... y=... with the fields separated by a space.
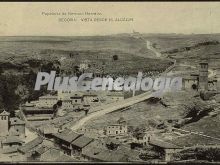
x=4 y=125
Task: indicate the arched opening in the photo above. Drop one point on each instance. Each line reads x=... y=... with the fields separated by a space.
x=194 y=86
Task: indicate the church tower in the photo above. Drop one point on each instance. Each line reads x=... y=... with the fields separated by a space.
x=4 y=123
x=203 y=76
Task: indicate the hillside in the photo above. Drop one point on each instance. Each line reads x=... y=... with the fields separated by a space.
x=22 y=57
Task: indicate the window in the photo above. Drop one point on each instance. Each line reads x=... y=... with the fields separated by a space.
x=116 y=132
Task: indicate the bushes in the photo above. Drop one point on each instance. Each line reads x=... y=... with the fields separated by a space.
x=206 y=153
x=210 y=154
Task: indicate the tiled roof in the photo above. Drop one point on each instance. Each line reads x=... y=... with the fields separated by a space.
x=82 y=141
x=48 y=129
x=12 y=139
x=16 y=121
x=37 y=109
x=9 y=150
x=96 y=153
x=41 y=149
x=67 y=136
x=102 y=154
x=31 y=145
x=163 y=144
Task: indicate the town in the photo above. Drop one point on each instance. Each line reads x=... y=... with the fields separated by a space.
x=67 y=126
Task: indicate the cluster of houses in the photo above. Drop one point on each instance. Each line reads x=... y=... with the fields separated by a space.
x=42 y=109
x=71 y=146
x=12 y=132
x=67 y=145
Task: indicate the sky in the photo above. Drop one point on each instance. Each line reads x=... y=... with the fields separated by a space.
x=26 y=18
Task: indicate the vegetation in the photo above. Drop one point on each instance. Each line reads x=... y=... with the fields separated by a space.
x=18 y=87
x=208 y=153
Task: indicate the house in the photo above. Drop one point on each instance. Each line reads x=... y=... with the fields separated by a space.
x=142 y=138
x=118 y=129
x=115 y=96
x=71 y=143
x=77 y=99
x=99 y=154
x=90 y=97
x=11 y=126
x=26 y=150
x=48 y=130
x=37 y=113
x=190 y=82
x=212 y=84
x=11 y=142
x=62 y=95
x=37 y=152
x=79 y=143
x=97 y=151
x=47 y=101
x=63 y=140
x=17 y=127
x=67 y=104
x=11 y=151
x=91 y=151
x=165 y=149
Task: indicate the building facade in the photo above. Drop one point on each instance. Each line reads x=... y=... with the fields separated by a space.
x=203 y=76
x=4 y=123
x=116 y=129
x=47 y=101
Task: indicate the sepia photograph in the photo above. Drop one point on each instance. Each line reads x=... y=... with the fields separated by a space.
x=110 y=82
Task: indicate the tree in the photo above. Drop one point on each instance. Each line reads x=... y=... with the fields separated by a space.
x=22 y=91
x=59 y=103
x=112 y=146
x=115 y=57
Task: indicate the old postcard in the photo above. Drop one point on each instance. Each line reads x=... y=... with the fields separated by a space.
x=110 y=82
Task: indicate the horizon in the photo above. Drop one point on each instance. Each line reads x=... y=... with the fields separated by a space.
x=115 y=34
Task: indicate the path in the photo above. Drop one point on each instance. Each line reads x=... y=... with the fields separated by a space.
x=107 y=108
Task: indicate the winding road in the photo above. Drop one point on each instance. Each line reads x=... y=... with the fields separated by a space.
x=107 y=108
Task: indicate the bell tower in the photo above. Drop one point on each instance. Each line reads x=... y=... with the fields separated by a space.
x=203 y=76
x=4 y=123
